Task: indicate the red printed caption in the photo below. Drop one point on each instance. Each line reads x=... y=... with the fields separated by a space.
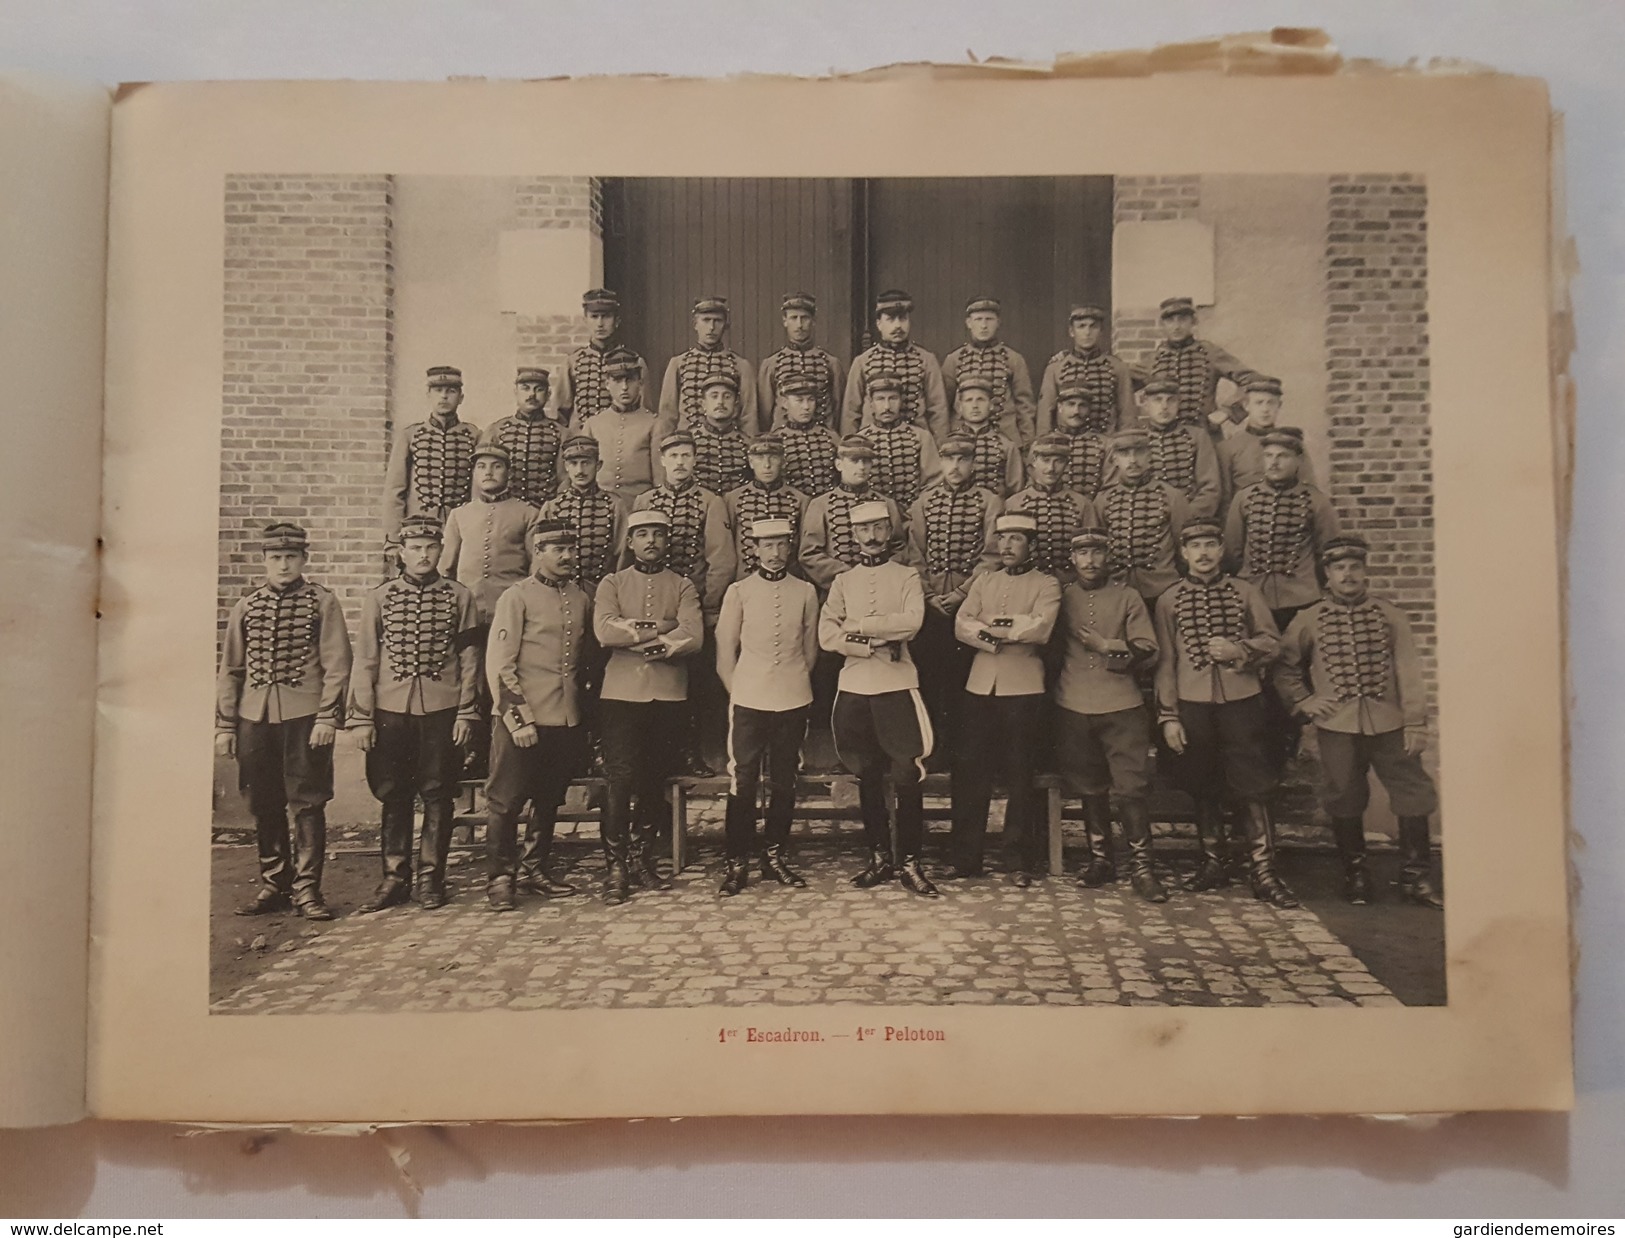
x=880 y=1034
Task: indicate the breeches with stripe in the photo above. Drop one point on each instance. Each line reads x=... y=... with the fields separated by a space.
x=887 y=731
x=755 y=736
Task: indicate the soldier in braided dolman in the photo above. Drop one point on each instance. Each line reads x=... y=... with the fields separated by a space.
x=1349 y=665
x=1217 y=639
x=800 y=359
x=906 y=460
x=1196 y=366
x=531 y=438
x=997 y=458
x=431 y=464
x=283 y=668
x=984 y=356
x=828 y=546
x=766 y=496
x=682 y=390
x=1241 y=451
x=1277 y=527
x=721 y=452
x=924 y=397
x=1143 y=516
x=809 y=445
x=1060 y=512
x=582 y=387
x=1105 y=379
x=1089 y=453
x=1180 y=455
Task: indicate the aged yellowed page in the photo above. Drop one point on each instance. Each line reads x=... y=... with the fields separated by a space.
x=289 y=262
x=53 y=226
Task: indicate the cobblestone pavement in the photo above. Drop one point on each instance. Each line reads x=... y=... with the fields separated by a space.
x=983 y=943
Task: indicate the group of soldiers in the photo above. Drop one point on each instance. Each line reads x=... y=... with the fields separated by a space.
x=1073 y=580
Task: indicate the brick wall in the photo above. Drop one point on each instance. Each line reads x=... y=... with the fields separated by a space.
x=1145 y=199
x=1377 y=370
x=308 y=334
x=556 y=202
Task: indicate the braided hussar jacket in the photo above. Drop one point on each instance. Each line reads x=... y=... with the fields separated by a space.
x=752 y=502
x=997 y=462
x=1241 y=463
x=1012 y=383
x=286 y=655
x=702 y=544
x=721 y=461
x=1060 y=513
x=827 y=545
x=1363 y=655
x=1110 y=402
x=809 y=458
x=431 y=470
x=1186 y=459
x=950 y=537
x=1190 y=613
x=599 y=519
x=925 y=399
x=1274 y=534
x=582 y=391
x=1197 y=365
x=416 y=651
x=1088 y=462
x=906 y=460
x=533 y=448
x=683 y=389
x=1143 y=521
x=793 y=361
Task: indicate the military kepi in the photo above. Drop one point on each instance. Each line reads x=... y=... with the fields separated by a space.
x=421 y=526
x=1200 y=526
x=284 y=536
x=1175 y=306
x=1345 y=546
x=445 y=376
x=552 y=533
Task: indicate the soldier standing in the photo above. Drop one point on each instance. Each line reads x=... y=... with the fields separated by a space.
x=1142 y=516
x=1181 y=455
x=1277 y=527
x=809 y=445
x=1217 y=639
x=539 y=635
x=283 y=668
x=765 y=496
x=767 y=643
x=432 y=462
x=721 y=458
x=1059 y=512
x=531 y=438
x=1103 y=734
x=873 y=610
x=597 y=516
x=412 y=707
x=1007 y=617
x=1105 y=379
x=1195 y=367
x=582 y=387
x=906 y=460
x=924 y=399
x=682 y=390
x=625 y=431
x=801 y=359
x=1089 y=453
x=1241 y=451
x=648 y=617
x=998 y=459
x=1009 y=383
x=1349 y=665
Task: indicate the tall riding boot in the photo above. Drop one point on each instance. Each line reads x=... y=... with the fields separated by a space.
x=434 y=849
x=1349 y=833
x=1101 y=867
x=645 y=869
x=1267 y=887
x=276 y=867
x=1416 y=860
x=1137 y=829
x=533 y=874
x=502 y=859
x=309 y=853
x=1210 y=871
x=616 y=831
x=395 y=848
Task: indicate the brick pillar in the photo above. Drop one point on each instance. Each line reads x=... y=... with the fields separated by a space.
x=308 y=340
x=573 y=204
x=1377 y=369
x=1147 y=199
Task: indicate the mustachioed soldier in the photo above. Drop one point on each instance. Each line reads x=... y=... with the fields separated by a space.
x=809 y=445
x=1181 y=455
x=828 y=544
x=283 y=669
x=721 y=452
x=1060 y=512
x=626 y=431
x=803 y=360
x=1089 y=454
x=924 y=399
x=1349 y=665
x=1105 y=379
x=1142 y=516
x=1241 y=451
x=1195 y=367
x=984 y=356
x=596 y=515
x=997 y=459
x=431 y=463
x=682 y=391
x=766 y=496
x=413 y=705
x=906 y=460
x=582 y=389
x=531 y=438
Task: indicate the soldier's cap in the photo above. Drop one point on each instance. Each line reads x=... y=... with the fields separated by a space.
x=711 y=305
x=1200 y=526
x=1263 y=384
x=799 y=301
x=856 y=447
x=801 y=384
x=532 y=374
x=1016 y=522
x=1086 y=313
x=600 y=301
x=677 y=438
x=768 y=444
x=770 y=528
x=495 y=450
x=1160 y=386
x=578 y=446
x=1131 y=439
x=1051 y=445
x=648 y=517
x=982 y=305
x=721 y=380
x=1175 y=306
x=419 y=526
x=884 y=382
x=1345 y=546
x=552 y=533
x=284 y=536
x=957 y=444
x=445 y=376
x=870 y=512
x=1289 y=437
x=894 y=301
x=973 y=382
x=1072 y=391
x=622 y=362
x=1091 y=536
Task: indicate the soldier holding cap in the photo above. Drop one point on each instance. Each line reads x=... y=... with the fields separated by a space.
x=809 y=445
x=802 y=359
x=1241 y=451
x=767 y=644
x=721 y=456
x=682 y=391
x=1009 y=384
x=582 y=387
x=1181 y=456
x=766 y=496
x=1195 y=367
x=1007 y=617
x=626 y=432
x=906 y=460
x=997 y=458
x=1102 y=731
x=924 y=399
x=1104 y=379
x=413 y=706
x=431 y=462
x=648 y=617
x=283 y=668
x=539 y=638
x=1349 y=665
x=1142 y=516
x=1059 y=512
x=873 y=610
x=828 y=546
x=531 y=438
x=1217 y=640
